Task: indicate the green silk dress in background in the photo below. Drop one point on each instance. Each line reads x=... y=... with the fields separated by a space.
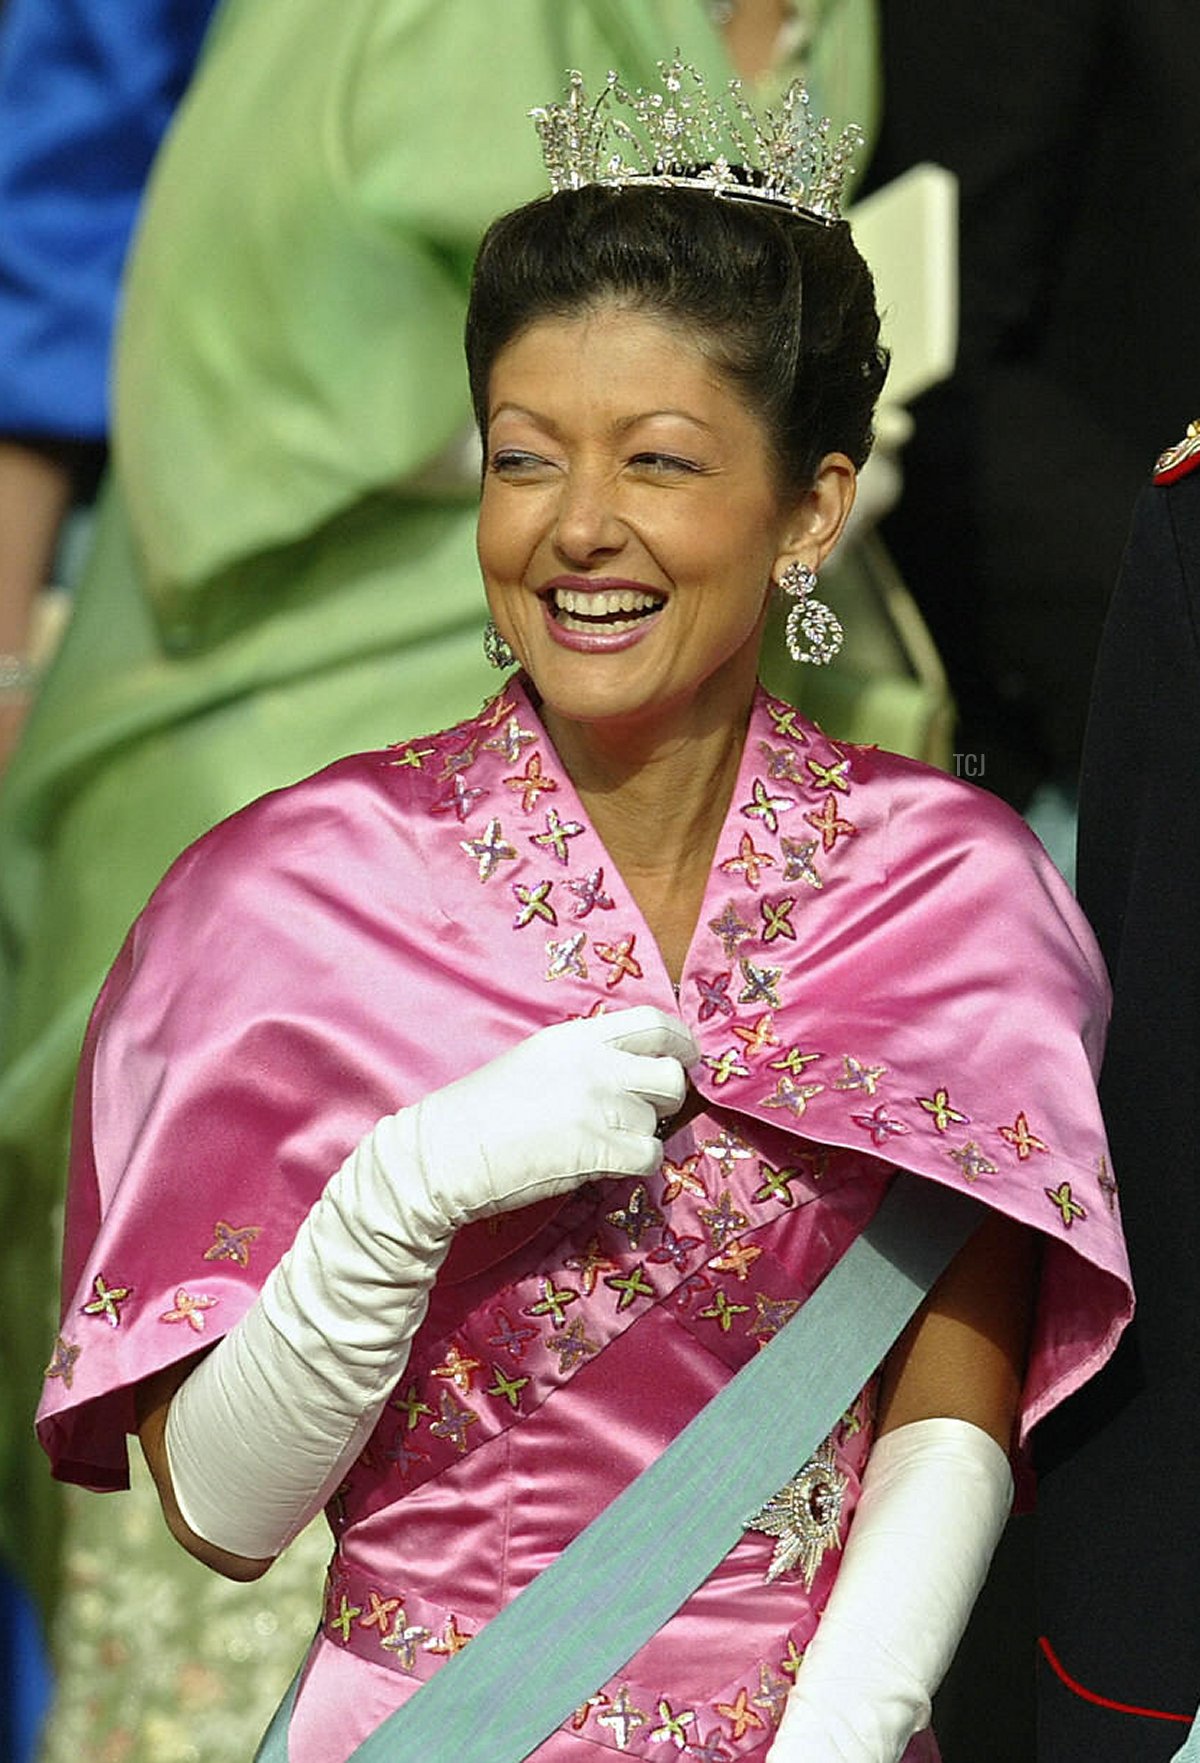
x=283 y=571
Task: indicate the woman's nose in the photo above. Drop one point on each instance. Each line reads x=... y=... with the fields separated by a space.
x=588 y=522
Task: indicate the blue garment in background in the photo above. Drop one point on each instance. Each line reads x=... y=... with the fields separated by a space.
x=87 y=88
x=24 y=1674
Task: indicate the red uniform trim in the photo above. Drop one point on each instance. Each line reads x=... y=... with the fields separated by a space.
x=1087 y=1695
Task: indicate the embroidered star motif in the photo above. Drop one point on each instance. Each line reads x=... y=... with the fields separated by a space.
x=411 y=1406
x=573 y=1346
x=232 y=1243
x=766 y=807
x=404 y=1640
x=380 y=1614
x=63 y=1360
x=534 y=903
x=457 y=798
x=412 y=757
x=1021 y=1138
x=776 y=1185
x=777 y=919
x=637 y=1216
x=458 y=1368
x=620 y=957
x=772 y=1694
x=510 y=741
x=714 y=995
x=631 y=1287
x=675 y=1249
x=567 y=957
x=783 y=717
x=792 y=1096
x=107 y=1301
x=451 y=1640
x=794 y=1061
x=944 y=1116
x=761 y=984
x=345 y=1616
x=779 y=763
x=1069 y=1208
x=971 y=1161
x=693 y=1287
x=798 y=862
x=773 y=1314
x=512 y=1337
x=726 y=1065
x=532 y=783
x=405 y=1455
x=190 y=1308
x=452 y=1422
x=738 y=1258
x=580 y=1717
x=792 y=1660
x=590 y=1265
x=556 y=835
x=721 y=1310
x=831 y=777
x=758 y=1035
x=739 y=1713
x=829 y=823
x=723 y=1220
x=589 y=892
x=673 y=1725
x=731 y=929
x=490 y=851
x=506 y=1388
x=679 y=1178
x=880 y=1124
x=494 y=712
x=725 y=1151
x=553 y=1303
x=857 y=1076
x=709 y=1749
x=749 y=861
x=622 y=1717
x=461 y=759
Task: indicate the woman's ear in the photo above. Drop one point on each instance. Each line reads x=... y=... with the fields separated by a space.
x=821 y=513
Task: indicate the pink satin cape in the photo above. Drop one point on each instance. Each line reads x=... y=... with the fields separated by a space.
x=887 y=971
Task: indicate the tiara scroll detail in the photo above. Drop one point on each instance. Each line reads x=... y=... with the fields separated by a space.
x=685 y=137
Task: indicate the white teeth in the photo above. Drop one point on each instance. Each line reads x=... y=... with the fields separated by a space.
x=604 y=604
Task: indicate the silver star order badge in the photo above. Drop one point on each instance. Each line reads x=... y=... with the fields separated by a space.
x=804 y=1517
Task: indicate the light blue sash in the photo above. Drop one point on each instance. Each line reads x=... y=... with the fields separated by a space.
x=1191 y=1746
x=614 y=1586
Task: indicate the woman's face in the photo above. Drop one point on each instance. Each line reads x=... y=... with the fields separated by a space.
x=631 y=522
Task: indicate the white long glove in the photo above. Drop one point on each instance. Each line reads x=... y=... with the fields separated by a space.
x=935 y=1497
x=263 y=1429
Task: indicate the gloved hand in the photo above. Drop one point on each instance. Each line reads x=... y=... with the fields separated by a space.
x=266 y=1426
x=573 y=1101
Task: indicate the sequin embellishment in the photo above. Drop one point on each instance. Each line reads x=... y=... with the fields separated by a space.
x=107 y=1301
x=232 y=1242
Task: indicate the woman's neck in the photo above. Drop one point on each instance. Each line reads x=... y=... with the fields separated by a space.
x=658 y=801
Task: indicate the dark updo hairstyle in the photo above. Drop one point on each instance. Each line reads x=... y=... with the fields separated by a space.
x=783 y=305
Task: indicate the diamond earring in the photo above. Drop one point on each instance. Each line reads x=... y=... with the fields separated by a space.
x=809 y=618
x=496 y=648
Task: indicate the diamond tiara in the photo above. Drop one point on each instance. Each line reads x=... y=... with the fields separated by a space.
x=684 y=137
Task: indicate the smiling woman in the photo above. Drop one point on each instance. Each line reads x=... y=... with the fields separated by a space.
x=632 y=521
x=391 y=1138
